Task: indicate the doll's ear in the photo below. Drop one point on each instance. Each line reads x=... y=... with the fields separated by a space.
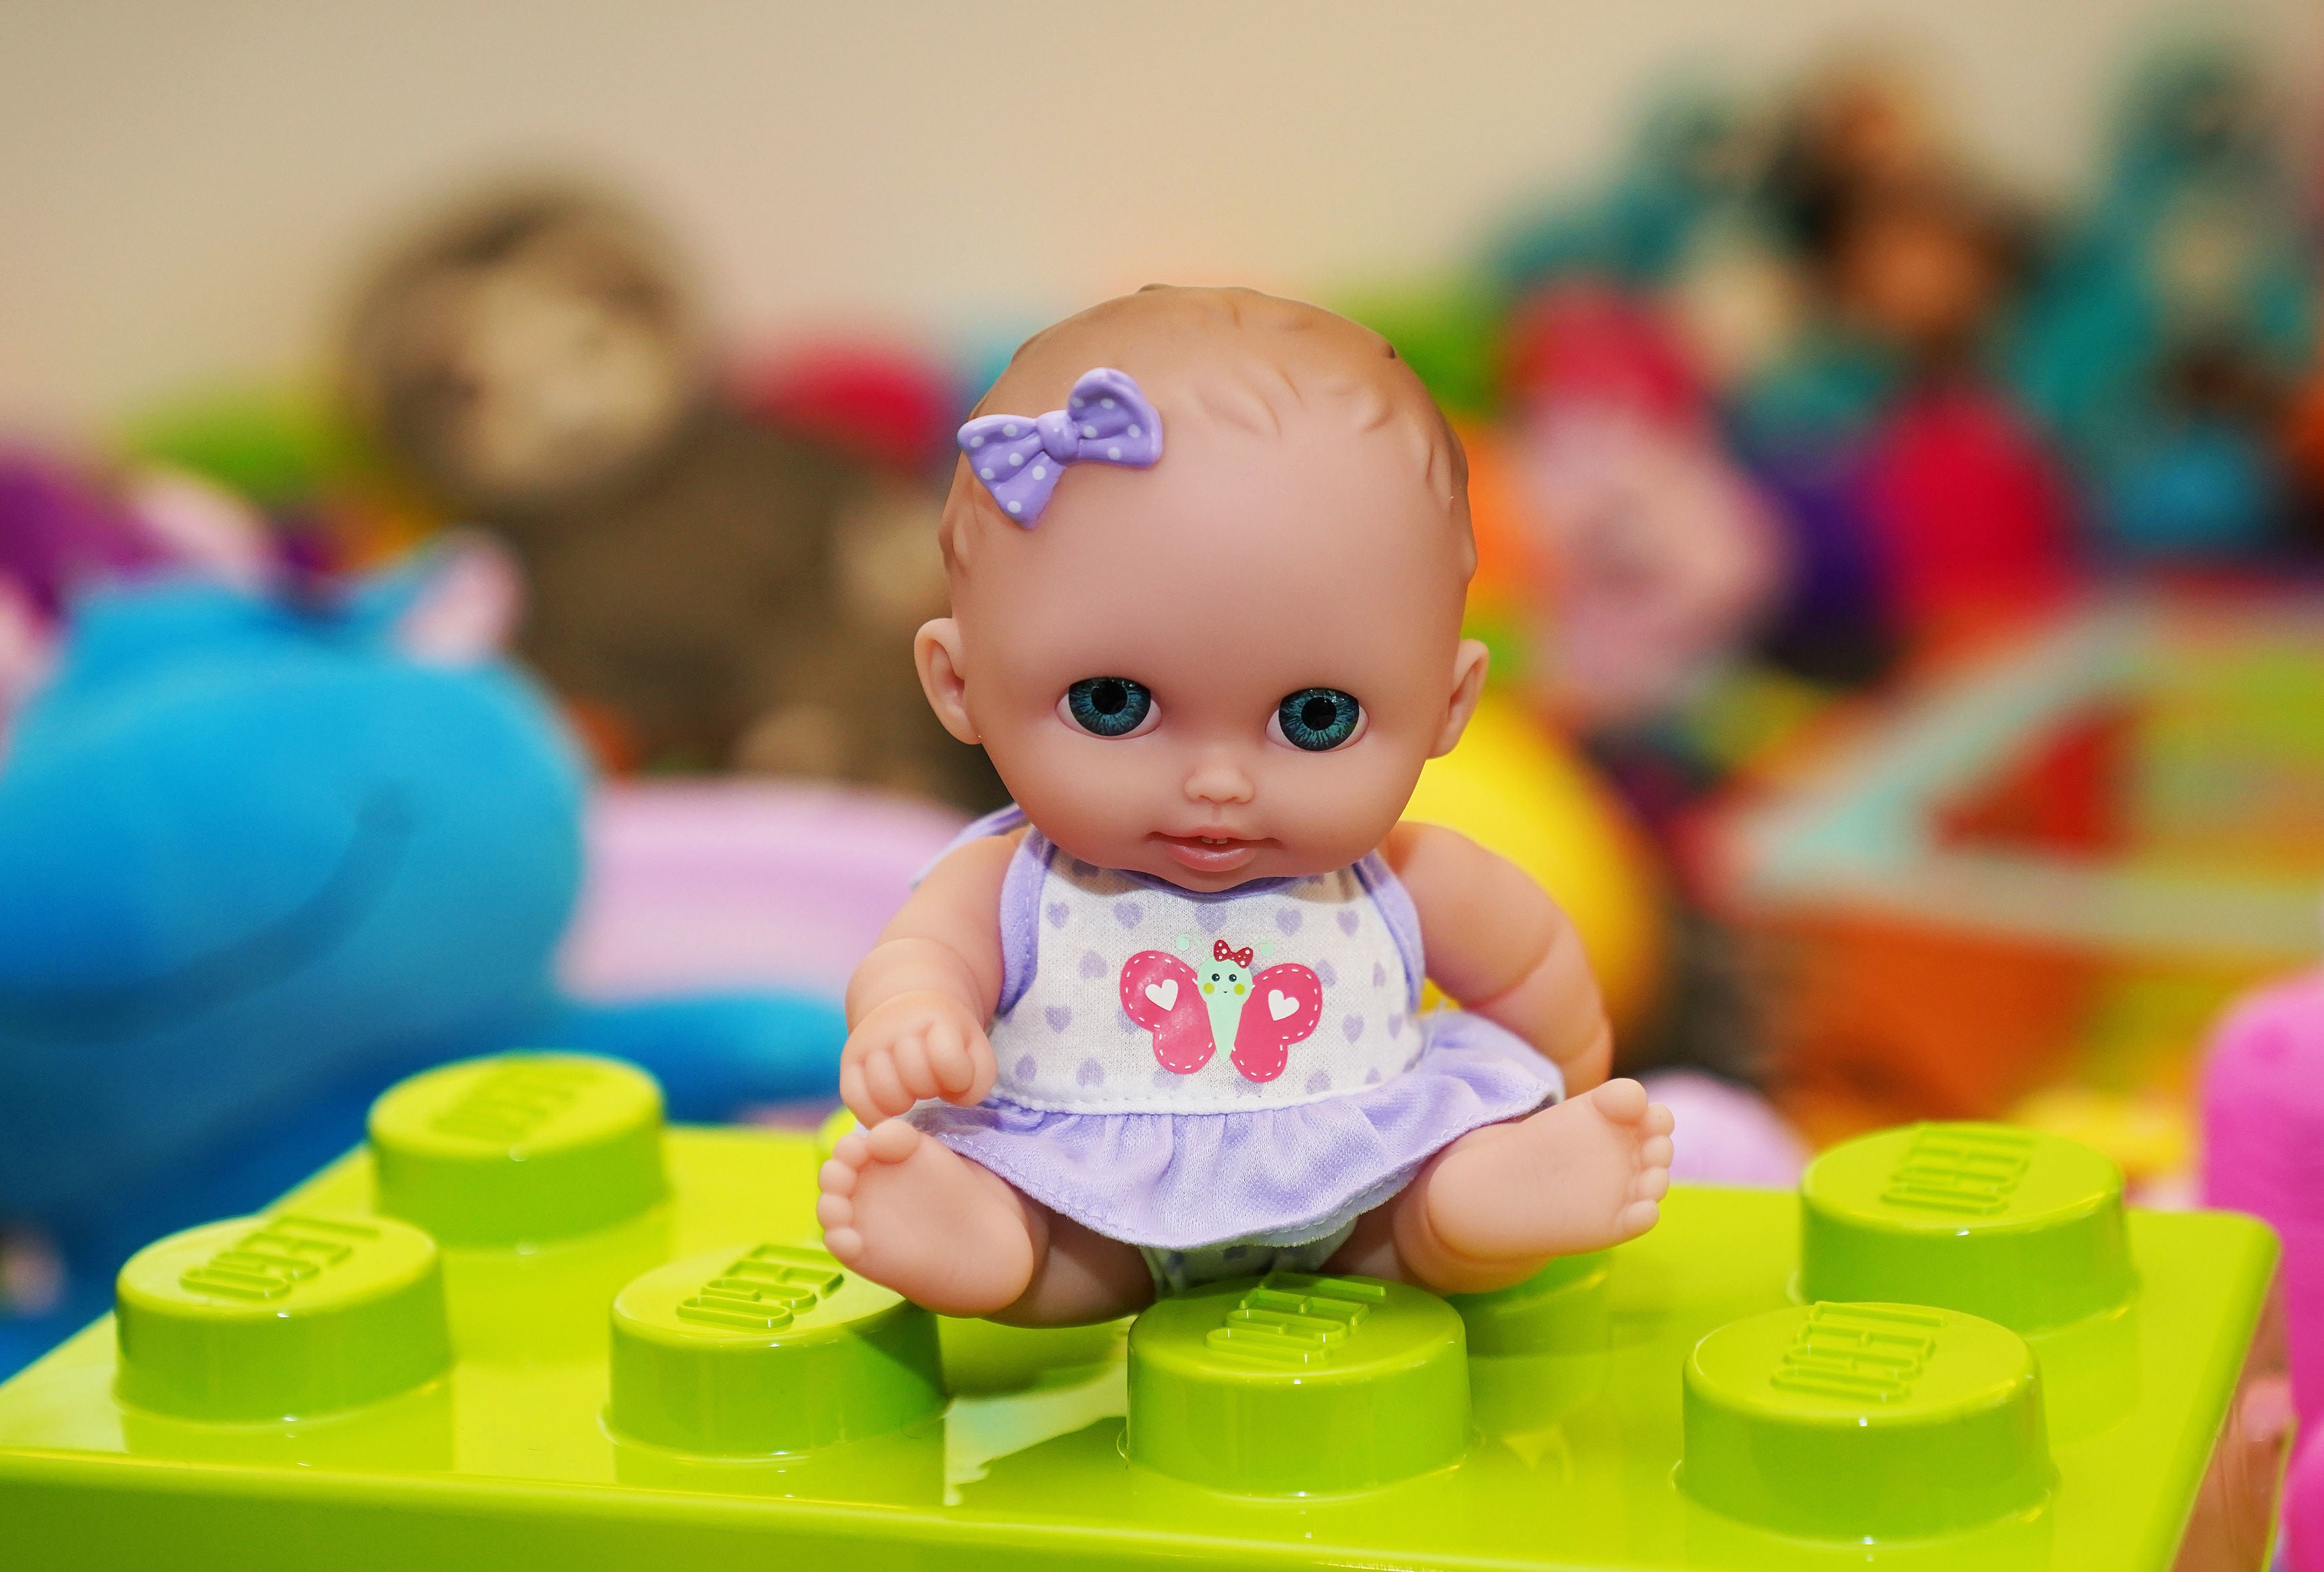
x=203 y=526
x=1469 y=664
x=944 y=675
x=467 y=603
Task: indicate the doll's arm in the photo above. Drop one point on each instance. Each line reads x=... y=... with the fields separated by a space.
x=1499 y=946
x=916 y=1007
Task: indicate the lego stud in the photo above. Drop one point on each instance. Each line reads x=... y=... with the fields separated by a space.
x=2022 y=1229
x=1537 y=1349
x=1559 y=1309
x=766 y=1350
x=983 y=1358
x=280 y=1317
x=1864 y=1422
x=1296 y=1384
x=519 y=1149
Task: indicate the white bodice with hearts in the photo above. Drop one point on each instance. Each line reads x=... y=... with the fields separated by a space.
x=1103 y=1002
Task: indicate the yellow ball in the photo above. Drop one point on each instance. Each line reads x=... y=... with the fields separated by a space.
x=1515 y=787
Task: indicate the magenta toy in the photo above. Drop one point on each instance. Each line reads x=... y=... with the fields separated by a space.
x=1972 y=517
x=2303 y=1512
x=2263 y=1153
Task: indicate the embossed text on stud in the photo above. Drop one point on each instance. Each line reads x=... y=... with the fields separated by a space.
x=513 y=1101
x=1970 y=1173
x=1863 y=1353
x=1293 y=1318
x=765 y=1290
x=271 y=1261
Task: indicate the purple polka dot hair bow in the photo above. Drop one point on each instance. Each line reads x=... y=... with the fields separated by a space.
x=1021 y=457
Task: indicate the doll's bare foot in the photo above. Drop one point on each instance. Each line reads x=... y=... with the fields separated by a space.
x=1584 y=1174
x=913 y=1215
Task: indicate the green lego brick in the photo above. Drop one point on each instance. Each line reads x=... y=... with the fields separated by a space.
x=590 y=1131
x=1298 y=1386
x=2023 y=1375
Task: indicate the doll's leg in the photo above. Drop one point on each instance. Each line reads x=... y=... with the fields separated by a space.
x=911 y=1213
x=1490 y=1209
x=1083 y=1277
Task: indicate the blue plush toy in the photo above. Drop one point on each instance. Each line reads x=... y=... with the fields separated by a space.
x=260 y=859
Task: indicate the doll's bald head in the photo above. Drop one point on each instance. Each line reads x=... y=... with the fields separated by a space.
x=1301 y=547
x=1237 y=359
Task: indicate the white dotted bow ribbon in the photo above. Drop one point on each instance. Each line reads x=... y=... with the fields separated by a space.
x=1021 y=457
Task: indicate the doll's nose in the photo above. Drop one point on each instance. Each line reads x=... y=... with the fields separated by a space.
x=1217 y=779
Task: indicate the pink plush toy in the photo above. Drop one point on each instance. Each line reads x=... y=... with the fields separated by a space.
x=2263 y=1153
x=2303 y=1512
x=1660 y=556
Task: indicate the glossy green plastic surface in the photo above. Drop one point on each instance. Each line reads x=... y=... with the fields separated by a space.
x=1298 y=1386
x=2022 y=1228
x=519 y=1149
x=768 y=1349
x=305 y=1313
x=1672 y=1404
x=1876 y=1421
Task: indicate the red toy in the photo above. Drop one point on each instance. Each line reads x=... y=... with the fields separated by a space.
x=1973 y=519
x=886 y=406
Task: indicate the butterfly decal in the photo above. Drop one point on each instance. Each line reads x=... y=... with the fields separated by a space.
x=1190 y=1011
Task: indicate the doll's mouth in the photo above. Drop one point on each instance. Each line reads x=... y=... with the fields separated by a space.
x=1210 y=853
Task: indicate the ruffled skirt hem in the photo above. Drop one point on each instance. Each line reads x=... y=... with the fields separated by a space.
x=1275 y=1176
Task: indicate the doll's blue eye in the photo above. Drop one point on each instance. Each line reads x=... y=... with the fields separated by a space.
x=1108 y=706
x=1319 y=718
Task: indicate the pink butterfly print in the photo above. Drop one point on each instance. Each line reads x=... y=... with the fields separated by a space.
x=1160 y=993
x=1267 y=1015
x=1286 y=1002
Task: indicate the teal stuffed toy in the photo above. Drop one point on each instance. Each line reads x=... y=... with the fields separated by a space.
x=2176 y=317
x=264 y=852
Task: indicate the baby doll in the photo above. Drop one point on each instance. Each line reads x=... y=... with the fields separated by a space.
x=1157 y=1025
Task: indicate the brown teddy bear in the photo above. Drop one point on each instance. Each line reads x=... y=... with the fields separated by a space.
x=705 y=589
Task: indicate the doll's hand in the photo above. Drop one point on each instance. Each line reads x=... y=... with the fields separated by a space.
x=912 y=1046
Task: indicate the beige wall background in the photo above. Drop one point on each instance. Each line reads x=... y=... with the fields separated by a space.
x=185 y=187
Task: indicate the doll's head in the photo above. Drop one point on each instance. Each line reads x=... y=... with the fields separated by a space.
x=1230 y=664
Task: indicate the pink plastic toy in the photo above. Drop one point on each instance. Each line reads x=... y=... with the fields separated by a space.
x=2263 y=1153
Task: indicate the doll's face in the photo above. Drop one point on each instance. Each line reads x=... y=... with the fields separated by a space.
x=1226 y=668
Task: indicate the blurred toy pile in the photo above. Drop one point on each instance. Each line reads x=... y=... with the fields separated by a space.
x=1799 y=389
x=1924 y=568
x=1901 y=667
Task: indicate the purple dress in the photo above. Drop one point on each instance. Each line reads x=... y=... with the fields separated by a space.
x=1225 y=1080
